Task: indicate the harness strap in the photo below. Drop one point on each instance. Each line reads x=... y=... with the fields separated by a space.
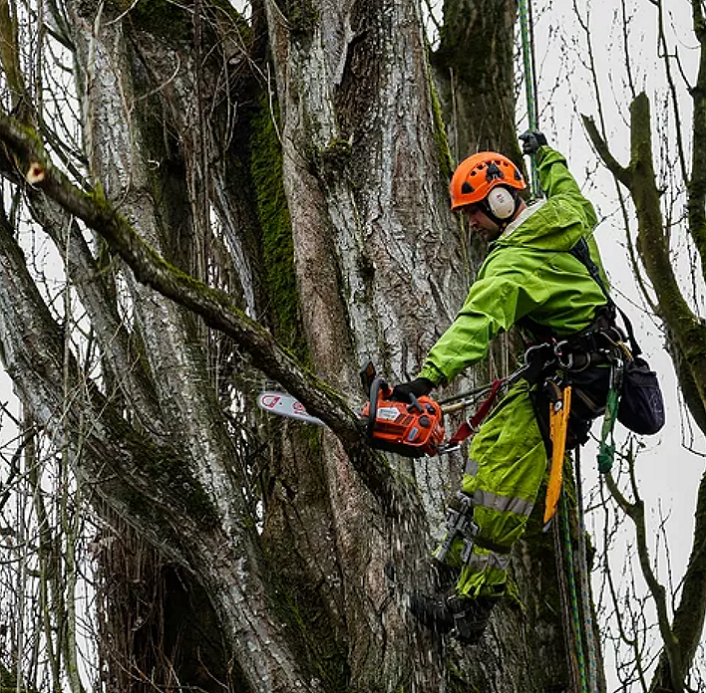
x=606 y=450
x=581 y=252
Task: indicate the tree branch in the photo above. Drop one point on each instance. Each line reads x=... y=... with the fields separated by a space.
x=697 y=184
x=688 y=331
x=601 y=146
x=635 y=510
x=215 y=307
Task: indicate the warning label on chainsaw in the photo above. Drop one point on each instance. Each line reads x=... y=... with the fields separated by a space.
x=388 y=413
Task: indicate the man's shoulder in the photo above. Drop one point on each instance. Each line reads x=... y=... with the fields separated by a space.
x=514 y=259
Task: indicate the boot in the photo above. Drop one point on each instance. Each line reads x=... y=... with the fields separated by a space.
x=464 y=619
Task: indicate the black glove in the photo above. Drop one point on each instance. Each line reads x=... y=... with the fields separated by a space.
x=532 y=140
x=417 y=387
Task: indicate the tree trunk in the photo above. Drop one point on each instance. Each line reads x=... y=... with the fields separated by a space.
x=474 y=66
x=308 y=190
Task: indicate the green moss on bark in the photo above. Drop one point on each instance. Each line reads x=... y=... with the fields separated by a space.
x=163 y=18
x=440 y=136
x=277 y=242
x=331 y=160
x=318 y=648
x=302 y=15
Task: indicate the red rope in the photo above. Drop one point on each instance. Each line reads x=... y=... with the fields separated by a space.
x=470 y=426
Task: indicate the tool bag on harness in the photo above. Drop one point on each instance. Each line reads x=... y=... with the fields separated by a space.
x=641 y=406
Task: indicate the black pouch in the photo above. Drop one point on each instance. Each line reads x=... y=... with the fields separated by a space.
x=588 y=398
x=641 y=408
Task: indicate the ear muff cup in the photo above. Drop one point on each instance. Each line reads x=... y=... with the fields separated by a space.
x=501 y=202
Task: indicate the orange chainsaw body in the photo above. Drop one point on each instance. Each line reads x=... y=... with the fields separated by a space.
x=411 y=430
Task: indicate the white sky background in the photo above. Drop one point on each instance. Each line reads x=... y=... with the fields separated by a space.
x=669 y=473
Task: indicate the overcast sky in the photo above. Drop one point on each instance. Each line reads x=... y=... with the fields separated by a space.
x=669 y=474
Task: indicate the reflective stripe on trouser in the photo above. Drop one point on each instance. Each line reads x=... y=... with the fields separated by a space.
x=507 y=465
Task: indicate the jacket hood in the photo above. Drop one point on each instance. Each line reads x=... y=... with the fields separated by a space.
x=554 y=224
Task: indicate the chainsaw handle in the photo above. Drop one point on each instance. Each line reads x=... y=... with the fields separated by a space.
x=375 y=387
x=414 y=403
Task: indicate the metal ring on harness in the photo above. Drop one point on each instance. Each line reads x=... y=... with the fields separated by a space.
x=563 y=359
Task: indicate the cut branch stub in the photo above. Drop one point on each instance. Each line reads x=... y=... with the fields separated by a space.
x=215 y=307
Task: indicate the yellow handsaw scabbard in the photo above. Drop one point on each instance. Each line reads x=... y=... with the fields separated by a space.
x=558 y=423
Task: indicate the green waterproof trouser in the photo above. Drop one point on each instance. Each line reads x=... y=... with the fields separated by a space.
x=507 y=464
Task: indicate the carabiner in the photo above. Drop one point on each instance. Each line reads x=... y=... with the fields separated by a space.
x=564 y=360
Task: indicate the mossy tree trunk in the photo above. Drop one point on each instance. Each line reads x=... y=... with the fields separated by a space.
x=297 y=165
x=474 y=67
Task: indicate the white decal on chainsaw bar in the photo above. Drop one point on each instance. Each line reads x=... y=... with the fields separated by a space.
x=285 y=405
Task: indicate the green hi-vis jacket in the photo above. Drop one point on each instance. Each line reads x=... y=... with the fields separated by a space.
x=527 y=273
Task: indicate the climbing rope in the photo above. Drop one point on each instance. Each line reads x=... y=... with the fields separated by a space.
x=527 y=33
x=577 y=611
x=577 y=620
x=568 y=606
x=583 y=577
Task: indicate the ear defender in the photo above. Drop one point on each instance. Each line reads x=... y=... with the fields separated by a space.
x=501 y=202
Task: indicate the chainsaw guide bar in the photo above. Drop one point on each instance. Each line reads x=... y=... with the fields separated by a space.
x=412 y=429
x=286 y=405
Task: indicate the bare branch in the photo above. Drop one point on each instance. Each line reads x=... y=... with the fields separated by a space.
x=601 y=146
x=9 y=53
x=673 y=96
x=215 y=307
x=635 y=510
x=697 y=184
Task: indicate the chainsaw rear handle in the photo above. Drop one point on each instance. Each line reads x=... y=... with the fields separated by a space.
x=377 y=386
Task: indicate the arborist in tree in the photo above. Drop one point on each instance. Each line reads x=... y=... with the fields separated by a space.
x=537 y=275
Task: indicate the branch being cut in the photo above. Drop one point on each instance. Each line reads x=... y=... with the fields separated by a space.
x=26 y=153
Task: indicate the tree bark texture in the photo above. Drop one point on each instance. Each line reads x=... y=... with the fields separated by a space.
x=264 y=202
x=474 y=67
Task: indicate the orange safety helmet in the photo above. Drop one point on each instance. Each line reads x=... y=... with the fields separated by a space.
x=477 y=175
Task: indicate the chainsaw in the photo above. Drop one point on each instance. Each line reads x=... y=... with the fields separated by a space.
x=411 y=429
